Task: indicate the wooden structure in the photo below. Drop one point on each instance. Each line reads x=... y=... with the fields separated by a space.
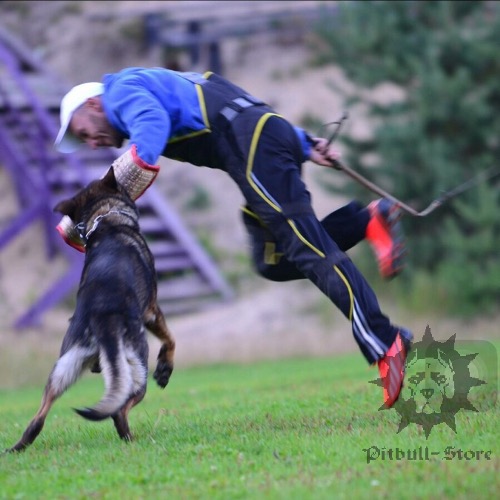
x=29 y=120
x=200 y=27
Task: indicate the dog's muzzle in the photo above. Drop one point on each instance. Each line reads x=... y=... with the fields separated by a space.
x=131 y=172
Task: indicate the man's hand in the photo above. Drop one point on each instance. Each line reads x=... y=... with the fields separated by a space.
x=323 y=154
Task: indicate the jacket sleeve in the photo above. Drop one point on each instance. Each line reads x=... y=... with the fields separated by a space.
x=306 y=143
x=142 y=118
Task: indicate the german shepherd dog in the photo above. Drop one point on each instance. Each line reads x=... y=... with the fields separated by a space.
x=116 y=299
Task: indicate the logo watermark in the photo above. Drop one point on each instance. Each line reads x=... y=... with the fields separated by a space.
x=423 y=453
x=439 y=381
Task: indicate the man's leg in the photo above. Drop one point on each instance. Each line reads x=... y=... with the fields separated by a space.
x=275 y=191
x=346 y=226
x=378 y=223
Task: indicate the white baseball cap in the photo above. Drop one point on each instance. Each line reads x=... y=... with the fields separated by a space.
x=65 y=141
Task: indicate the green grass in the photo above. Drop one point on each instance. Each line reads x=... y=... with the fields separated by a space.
x=293 y=429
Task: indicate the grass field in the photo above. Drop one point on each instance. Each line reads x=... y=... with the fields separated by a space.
x=295 y=429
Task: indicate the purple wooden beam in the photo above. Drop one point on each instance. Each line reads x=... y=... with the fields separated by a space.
x=33 y=187
x=172 y=221
x=19 y=224
x=53 y=296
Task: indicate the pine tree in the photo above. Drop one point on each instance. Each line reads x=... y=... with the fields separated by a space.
x=445 y=57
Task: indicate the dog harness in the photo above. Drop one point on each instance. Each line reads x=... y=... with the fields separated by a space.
x=80 y=227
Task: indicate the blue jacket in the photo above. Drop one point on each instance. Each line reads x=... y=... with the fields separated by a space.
x=153 y=107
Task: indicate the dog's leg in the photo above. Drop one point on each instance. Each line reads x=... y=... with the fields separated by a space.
x=156 y=324
x=36 y=425
x=65 y=372
x=139 y=367
x=120 y=419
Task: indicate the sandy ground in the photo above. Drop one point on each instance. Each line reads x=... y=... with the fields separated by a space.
x=266 y=320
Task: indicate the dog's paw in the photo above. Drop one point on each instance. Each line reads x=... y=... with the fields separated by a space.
x=15 y=449
x=162 y=373
x=96 y=367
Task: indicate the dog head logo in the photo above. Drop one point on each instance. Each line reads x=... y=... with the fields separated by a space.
x=430 y=381
x=436 y=386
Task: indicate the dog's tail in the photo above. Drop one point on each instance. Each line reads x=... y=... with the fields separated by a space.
x=123 y=374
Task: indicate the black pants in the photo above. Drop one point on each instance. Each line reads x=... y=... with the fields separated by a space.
x=270 y=179
x=346 y=226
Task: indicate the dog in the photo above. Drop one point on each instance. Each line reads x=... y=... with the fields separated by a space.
x=116 y=301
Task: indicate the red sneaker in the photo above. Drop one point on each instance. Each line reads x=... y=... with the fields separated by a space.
x=385 y=235
x=392 y=367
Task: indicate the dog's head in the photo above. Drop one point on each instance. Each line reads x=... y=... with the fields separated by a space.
x=429 y=382
x=100 y=194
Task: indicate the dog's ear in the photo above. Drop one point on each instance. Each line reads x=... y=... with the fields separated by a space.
x=109 y=180
x=66 y=207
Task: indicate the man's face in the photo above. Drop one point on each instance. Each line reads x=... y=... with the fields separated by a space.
x=90 y=125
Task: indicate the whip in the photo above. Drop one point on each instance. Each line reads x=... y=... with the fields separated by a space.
x=337 y=164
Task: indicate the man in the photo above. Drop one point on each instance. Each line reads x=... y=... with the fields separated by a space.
x=208 y=121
